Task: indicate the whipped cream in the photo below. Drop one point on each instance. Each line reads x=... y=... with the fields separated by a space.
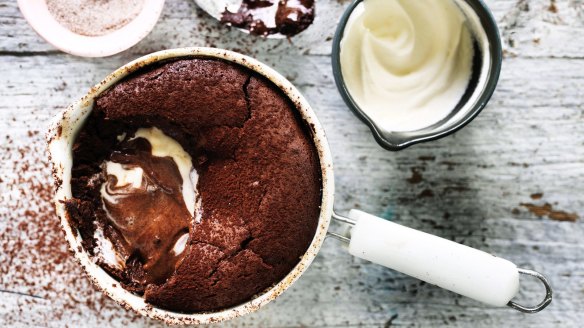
x=137 y=200
x=105 y=250
x=164 y=146
x=127 y=178
x=130 y=177
x=180 y=244
x=407 y=63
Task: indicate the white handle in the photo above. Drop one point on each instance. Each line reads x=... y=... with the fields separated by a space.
x=458 y=268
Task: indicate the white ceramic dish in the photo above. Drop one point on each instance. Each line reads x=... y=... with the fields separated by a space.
x=38 y=16
x=449 y=265
x=483 y=27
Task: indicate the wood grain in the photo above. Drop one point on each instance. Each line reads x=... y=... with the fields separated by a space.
x=478 y=187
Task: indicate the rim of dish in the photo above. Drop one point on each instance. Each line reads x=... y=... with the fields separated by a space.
x=65 y=126
x=37 y=14
x=489 y=25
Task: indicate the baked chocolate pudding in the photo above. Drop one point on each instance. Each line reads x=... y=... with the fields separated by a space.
x=195 y=184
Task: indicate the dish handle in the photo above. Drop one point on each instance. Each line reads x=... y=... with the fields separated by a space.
x=438 y=261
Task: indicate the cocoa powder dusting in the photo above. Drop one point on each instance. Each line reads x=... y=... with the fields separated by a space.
x=37 y=272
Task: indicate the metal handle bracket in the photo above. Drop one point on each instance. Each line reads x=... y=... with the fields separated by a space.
x=548 y=294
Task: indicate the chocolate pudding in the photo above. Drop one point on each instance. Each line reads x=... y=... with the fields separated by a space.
x=195 y=184
x=265 y=17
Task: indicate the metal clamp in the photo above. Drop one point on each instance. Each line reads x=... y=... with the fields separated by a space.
x=342 y=219
x=548 y=294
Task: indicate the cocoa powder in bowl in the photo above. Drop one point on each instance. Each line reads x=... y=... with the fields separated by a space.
x=94 y=17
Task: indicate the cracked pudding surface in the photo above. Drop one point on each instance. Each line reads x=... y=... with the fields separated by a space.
x=257 y=181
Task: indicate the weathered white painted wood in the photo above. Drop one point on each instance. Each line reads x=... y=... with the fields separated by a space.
x=469 y=187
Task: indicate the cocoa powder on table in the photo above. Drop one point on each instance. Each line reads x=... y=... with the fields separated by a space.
x=40 y=282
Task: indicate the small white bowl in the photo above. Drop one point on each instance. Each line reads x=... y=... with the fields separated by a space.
x=42 y=21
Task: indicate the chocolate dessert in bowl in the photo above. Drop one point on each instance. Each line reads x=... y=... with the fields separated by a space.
x=195 y=185
x=192 y=181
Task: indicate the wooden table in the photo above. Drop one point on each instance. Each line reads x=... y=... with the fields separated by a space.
x=511 y=183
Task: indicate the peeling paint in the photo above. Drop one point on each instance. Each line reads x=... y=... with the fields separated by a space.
x=426 y=193
x=416 y=176
x=547 y=210
x=553 y=8
x=536 y=196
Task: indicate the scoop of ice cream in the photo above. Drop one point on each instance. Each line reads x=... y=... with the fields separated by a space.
x=149 y=199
